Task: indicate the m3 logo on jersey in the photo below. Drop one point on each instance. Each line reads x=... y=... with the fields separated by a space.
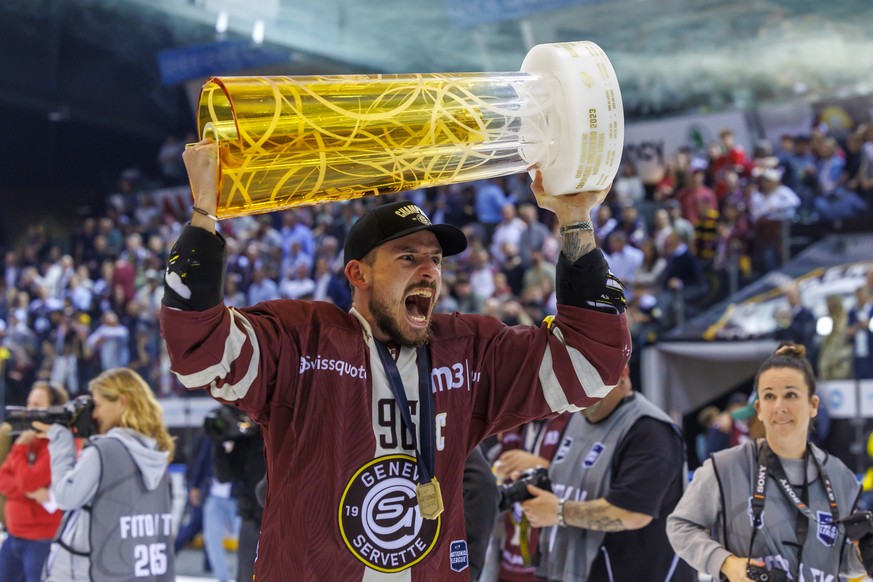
x=827 y=530
x=379 y=518
x=593 y=455
x=452 y=377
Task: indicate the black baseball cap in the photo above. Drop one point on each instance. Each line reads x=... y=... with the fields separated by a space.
x=397 y=219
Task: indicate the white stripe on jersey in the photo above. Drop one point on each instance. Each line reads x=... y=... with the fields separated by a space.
x=587 y=374
x=236 y=339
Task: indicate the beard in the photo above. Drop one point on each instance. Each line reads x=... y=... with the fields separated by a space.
x=387 y=322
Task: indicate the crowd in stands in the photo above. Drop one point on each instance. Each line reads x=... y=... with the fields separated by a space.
x=75 y=305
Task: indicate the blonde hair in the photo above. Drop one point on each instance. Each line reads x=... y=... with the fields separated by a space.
x=142 y=411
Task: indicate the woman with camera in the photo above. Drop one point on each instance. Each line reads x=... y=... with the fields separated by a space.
x=118 y=520
x=770 y=509
x=24 y=476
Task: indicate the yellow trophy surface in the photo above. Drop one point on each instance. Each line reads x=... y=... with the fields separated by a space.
x=292 y=141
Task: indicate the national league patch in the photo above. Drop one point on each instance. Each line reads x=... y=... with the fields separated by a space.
x=458 y=558
x=826 y=531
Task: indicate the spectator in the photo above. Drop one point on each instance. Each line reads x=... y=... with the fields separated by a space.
x=534 y=235
x=835 y=354
x=679 y=224
x=297 y=284
x=624 y=260
x=239 y=462
x=25 y=476
x=491 y=198
x=730 y=428
x=632 y=225
x=683 y=279
x=690 y=196
x=198 y=476
x=705 y=420
x=508 y=230
x=628 y=186
x=110 y=342
x=706 y=232
x=862 y=336
x=732 y=239
x=604 y=223
x=799 y=325
x=262 y=287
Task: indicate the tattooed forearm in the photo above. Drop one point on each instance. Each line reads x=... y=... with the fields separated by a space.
x=593 y=515
x=577 y=243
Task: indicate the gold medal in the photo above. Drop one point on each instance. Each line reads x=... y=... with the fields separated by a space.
x=430 y=499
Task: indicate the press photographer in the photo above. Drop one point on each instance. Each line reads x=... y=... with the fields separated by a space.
x=113 y=489
x=75 y=415
x=238 y=461
x=516 y=491
x=31 y=519
x=618 y=471
x=771 y=509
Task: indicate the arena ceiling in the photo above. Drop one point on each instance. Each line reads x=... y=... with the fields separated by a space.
x=82 y=92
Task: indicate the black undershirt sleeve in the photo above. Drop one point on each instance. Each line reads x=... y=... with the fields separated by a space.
x=194 y=279
x=647 y=464
x=587 y=283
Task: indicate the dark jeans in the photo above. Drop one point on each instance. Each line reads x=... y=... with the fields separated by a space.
x=249 y=533
x=22 y=560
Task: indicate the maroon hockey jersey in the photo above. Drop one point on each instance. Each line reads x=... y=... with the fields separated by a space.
x=341 y=469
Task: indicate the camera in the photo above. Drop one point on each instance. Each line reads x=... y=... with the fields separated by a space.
x=75 y=415
x=227 y=423
x=766 y=574
x=858 y=525
x=516 y=491
x=859 y=528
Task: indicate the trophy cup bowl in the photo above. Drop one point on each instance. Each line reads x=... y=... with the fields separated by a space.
x=292 y=141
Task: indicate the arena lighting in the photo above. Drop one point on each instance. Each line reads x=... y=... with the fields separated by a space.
x=221 y=22
x=258 y=32
x=824 y=325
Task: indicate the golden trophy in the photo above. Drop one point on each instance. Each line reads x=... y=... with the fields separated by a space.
x=292 y=141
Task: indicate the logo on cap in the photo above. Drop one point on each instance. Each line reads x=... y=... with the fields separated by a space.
x=413 y=212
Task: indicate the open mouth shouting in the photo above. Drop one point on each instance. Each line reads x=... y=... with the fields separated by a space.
x=419 y=303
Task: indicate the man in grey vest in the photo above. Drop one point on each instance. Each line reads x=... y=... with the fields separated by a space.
x=618 y=472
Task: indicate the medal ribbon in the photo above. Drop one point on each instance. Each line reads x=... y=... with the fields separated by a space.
x=426 y=444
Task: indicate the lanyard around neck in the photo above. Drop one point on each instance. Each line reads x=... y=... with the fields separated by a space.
x=424 y=441
x=769 y=462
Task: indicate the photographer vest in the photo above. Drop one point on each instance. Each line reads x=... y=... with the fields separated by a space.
x=518 y=552
x=776 y=542
x=582 y=471
x=131 y=527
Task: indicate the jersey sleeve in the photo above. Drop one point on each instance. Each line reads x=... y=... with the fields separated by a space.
x=568 y=363
x=234 y=354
